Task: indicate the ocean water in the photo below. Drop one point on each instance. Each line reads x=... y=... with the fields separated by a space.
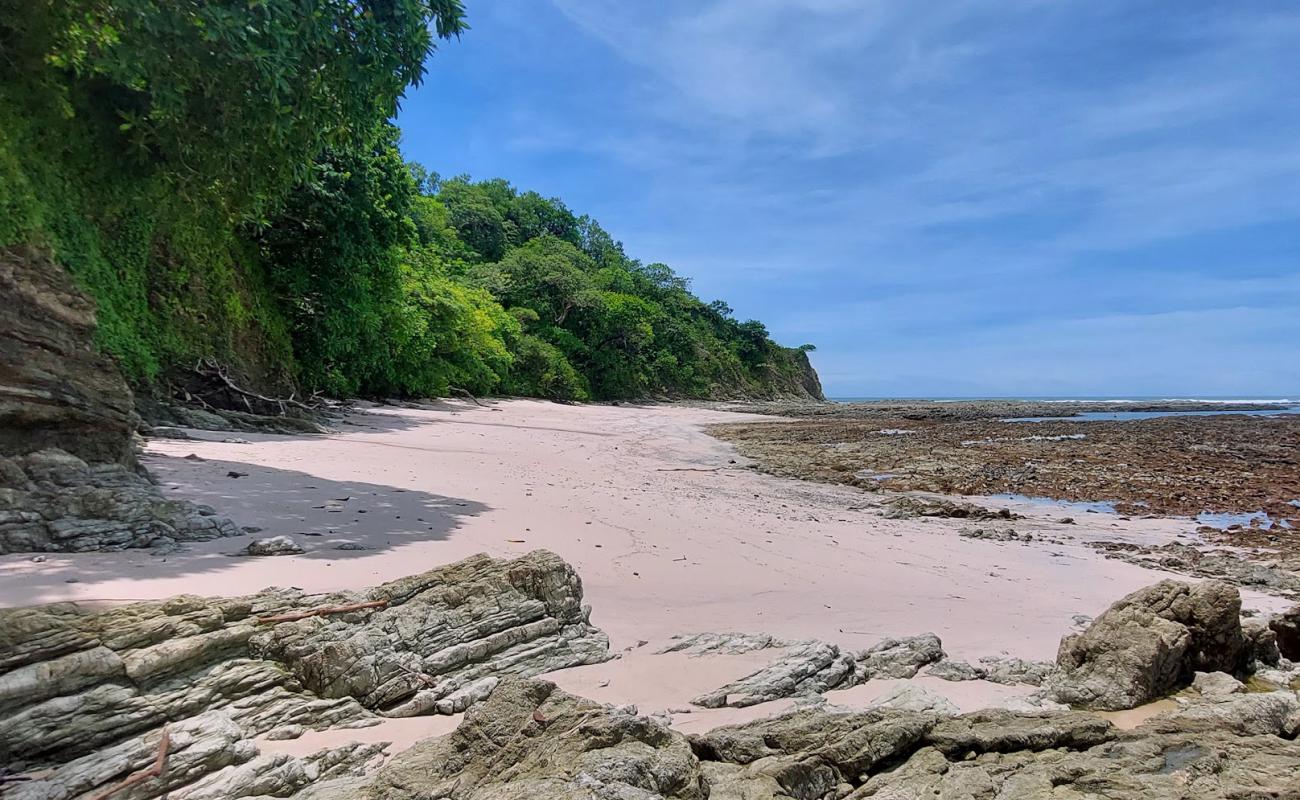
x=1112 y=416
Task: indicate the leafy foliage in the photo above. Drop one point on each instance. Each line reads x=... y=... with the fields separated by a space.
x=222 y=177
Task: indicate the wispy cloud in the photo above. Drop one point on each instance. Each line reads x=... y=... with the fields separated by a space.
x=849 y=161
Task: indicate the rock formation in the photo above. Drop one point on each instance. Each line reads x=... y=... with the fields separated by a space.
x=68 y=480
x=52 y=501
x=56 y=389
x=85 y=694
x=811 y=667
x=530 y=740
x=1151 y=643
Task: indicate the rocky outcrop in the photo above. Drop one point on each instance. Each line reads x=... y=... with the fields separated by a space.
x=85 y=694
x=52 y=501
x=56 y=389
x=532 y=740
x=807 y=669
x=1151 y=643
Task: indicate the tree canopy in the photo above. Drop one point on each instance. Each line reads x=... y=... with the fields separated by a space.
x=223 y=177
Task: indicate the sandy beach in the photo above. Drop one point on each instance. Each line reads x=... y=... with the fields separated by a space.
x=670 y=530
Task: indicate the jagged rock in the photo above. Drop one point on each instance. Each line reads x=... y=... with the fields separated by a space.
x=913 y=697
x=1011 y=671
x=56 y=389
x=1217 y=685
x=908 y=506
x=530 y=740
x=273 y=546
x=700 y=644
x=806 y=669
x=63 y=504
x=1261 y=641
x=1286 y=629
x=1151 y=643
x=995 y=534
x=78 y=683
x=949 y=670
x=899 y=658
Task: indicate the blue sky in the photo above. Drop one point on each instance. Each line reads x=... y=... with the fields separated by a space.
x=964 y=198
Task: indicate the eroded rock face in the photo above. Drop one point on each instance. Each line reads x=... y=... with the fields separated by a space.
x=1151 y=643
x=56 y=389
x=85 y=693
x=53 y=501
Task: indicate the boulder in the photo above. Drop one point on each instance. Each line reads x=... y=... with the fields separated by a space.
x=899 y=658
x=1151 y=643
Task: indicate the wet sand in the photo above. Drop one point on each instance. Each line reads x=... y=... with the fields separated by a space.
x=671 y=531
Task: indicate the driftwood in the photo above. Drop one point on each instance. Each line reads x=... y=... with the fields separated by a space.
x=427 y=680
x=322 y=611
x=208 y=368
x=464 y=393
x=154 y=771
x=688 y=469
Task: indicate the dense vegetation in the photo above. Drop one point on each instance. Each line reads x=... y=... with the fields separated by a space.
x=223 y=178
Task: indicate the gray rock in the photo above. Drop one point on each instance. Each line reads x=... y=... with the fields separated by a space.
x=909 y=506
x=699 y=644
x=79 y=687
x=65 y=504
x=1151 y=643
x=950 y=670
x=1217 y=685
x=899 y=658
x=273 y=546
x=1011 y=671
x=913 y=697
x=805 y=669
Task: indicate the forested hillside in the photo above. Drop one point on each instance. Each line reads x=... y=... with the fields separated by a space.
x=225 y=181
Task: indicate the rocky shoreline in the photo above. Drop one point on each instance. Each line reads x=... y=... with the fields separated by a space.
x=176 y=698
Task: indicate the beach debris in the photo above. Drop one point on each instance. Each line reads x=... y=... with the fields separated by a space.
x=235 y=474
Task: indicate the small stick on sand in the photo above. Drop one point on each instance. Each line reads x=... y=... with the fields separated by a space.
x=322 y=611
x=159 y=764
x=688 y=469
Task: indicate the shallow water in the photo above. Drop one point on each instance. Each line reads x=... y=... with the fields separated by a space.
x=1223 y=520
x=1120 y=416
x=1078 y=506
